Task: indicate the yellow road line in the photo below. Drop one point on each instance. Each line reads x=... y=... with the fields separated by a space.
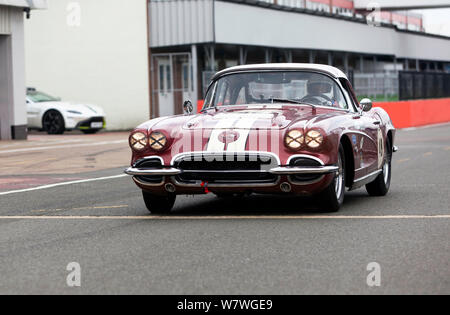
x=262 y=217
x=428 y=154
x=404 y=160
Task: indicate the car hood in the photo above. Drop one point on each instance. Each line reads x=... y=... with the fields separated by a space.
x=85 y=109
x=262 y=118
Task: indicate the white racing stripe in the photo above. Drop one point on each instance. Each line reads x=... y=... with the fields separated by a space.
x=62 y=184
x=214 y=144
x=57 y=147
x=244 y=126
x=242 y=123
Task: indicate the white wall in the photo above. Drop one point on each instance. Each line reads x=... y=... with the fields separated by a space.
x=103 y=61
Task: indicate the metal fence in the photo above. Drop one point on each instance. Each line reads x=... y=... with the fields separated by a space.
x=382 y=86
x=423 y=85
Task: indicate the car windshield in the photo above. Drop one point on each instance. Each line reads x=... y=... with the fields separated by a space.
x=275 y=87
x=39 y=97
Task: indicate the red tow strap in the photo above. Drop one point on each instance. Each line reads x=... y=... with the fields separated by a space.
x=205 y=186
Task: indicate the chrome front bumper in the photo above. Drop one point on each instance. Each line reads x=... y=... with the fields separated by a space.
x=285 y=170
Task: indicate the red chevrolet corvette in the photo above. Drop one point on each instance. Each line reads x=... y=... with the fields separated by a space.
x=273 y=129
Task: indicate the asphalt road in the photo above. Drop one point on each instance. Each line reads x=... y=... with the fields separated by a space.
x=256 y=245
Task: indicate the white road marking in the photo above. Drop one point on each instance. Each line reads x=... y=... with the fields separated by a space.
x=262 y=217
x=38 y=143
x=62 y=184
x=92 y=144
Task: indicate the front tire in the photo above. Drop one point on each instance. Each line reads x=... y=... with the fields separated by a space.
x=380 y=186
x=159 y=204
x=53 y=123
x=332 y=197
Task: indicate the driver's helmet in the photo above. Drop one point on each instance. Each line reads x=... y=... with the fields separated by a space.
x=319 y=87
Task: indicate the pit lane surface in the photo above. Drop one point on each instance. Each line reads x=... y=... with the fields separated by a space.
x=256 y=245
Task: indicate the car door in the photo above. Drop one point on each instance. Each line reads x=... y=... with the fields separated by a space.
x=365 y=136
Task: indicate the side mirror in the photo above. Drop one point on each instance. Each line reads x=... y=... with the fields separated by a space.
x=366 y=104
x=188 y=108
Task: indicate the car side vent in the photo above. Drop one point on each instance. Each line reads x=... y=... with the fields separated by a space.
x=150 y=164
x=305 y=162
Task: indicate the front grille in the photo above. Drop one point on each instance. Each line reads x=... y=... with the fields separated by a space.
x=150 y=164
x=87 y=123
x=226 y=169
x=305 y=162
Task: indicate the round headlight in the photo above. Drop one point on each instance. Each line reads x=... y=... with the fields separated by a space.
x=157 y=141
x=294 y=139
x=138 y=141
x=314 y=139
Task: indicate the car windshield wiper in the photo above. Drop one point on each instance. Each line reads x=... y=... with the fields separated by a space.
x=290 y=101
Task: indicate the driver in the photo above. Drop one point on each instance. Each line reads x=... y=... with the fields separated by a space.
x=317 y=91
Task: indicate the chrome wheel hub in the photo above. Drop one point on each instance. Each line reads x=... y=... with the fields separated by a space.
x=339 y=185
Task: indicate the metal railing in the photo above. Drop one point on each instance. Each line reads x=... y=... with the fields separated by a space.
x=381 y=86
x=423 y=85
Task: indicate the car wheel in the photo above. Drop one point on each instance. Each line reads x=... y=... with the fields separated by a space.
x=332 y=197
x=90 y=131
x=159 y=204
x=53 y=123
x=380 y=186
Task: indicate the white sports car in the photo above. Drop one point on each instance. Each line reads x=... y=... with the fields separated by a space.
x=50 y=114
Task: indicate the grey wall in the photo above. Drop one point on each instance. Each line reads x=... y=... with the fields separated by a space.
x=250 y=25
x=178 y=22
x=5 y=89
x=12 y=69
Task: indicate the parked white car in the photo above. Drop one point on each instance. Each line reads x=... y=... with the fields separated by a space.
x=54 y=116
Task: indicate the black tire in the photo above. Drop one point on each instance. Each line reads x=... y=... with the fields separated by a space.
x=90 y=131
x=159 y=204
x=53 y=123
x=380 y=186
x=332 y=198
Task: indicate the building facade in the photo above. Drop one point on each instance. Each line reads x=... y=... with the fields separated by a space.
x=190 y=40
x=143 y=58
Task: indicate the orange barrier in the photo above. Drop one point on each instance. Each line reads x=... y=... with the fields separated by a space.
x=407 y=114
x=200 y=105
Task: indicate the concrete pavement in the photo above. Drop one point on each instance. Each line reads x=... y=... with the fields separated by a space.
x=256 y=245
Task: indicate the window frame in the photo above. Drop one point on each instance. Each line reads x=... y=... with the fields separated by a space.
x=338 y=82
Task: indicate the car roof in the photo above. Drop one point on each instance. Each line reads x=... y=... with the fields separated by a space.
x=332 y=71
